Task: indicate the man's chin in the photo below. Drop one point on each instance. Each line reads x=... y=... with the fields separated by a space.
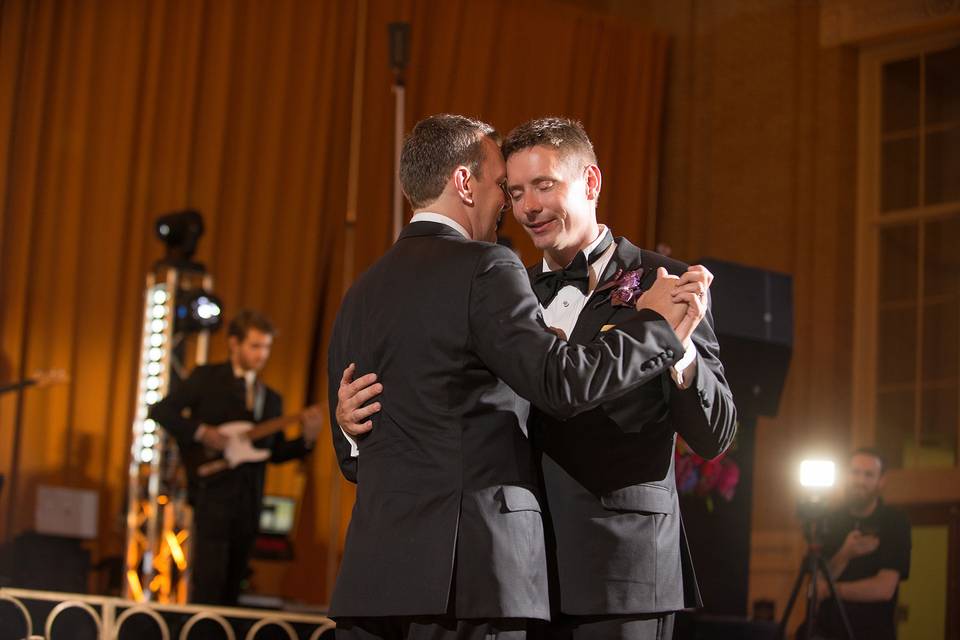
x=543 y=242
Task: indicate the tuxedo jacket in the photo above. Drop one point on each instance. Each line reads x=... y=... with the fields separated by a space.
x=608 y=473
x=447 y=503
x=213 y=395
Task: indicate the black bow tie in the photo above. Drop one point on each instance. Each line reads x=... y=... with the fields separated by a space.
x=577 y=274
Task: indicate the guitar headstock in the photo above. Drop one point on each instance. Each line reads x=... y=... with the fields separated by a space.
x=50 y=377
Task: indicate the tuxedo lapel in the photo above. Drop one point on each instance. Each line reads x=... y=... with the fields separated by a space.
x=598 y=311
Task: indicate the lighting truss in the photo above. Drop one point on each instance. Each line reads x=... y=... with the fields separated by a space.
x=158 y=515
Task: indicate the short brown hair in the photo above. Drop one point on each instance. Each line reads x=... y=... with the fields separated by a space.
x=436 y=146
x=873 y=452
x=247 y=319
x=563 y=134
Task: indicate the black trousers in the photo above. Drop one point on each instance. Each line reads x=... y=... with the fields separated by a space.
x=225 y=529
x=430 y=628
x=658 y=626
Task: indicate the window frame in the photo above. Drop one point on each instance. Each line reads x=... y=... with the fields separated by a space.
x=903 y=485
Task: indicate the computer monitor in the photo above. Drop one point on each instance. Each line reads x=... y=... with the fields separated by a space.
x=277 y=515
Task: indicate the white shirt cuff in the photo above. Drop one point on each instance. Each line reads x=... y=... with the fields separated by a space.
x=354 y=450
x=679 y=370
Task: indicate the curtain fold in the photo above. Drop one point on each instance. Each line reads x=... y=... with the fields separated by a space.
x=113 y=112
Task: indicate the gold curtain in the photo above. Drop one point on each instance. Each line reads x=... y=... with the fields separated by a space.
x=115 y=111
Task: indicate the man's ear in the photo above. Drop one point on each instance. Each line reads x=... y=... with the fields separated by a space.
x=593 y=181
x=463 y=182
x=233 y=343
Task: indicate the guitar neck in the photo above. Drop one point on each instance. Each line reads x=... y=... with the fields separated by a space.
x=13 y=386
x=272 y=426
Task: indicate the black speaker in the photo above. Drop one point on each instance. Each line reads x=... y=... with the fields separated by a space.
x=49 y=563
x=753 y=318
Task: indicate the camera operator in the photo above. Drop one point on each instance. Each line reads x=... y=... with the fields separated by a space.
x=868 y=544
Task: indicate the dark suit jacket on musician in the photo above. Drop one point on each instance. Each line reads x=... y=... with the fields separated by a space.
x=214 y=395
x=447 y=501
x=609 y=472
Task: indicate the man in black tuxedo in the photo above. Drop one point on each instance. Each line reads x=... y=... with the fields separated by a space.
x=608 y=472
x=227 y=506
x=620 y=565
x=446 y=538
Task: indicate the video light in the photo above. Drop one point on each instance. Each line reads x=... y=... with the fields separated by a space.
x=817 y=474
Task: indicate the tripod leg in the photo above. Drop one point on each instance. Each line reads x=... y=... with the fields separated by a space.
x=833 y=592
x=793 y=599
x=812 y=569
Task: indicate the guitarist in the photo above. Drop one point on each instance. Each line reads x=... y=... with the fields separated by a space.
x=227 y=505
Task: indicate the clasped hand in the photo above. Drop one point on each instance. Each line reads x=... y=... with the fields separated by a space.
x=859 y=544
x=681 y=300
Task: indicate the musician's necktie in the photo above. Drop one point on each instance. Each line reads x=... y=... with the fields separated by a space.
x=250 y=382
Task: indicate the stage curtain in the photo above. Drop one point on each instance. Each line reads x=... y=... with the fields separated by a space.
x=113 y=112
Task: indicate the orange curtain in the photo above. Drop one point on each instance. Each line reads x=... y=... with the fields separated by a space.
x=115 y=111
x=505 y=62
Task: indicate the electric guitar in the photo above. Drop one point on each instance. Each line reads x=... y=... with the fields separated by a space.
x=240 y=448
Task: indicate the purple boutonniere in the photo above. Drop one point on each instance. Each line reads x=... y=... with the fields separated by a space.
x=624 y=288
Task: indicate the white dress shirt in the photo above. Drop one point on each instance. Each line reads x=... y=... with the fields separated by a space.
x=429 y=216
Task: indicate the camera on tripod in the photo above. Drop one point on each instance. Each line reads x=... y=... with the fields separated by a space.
x=817 y=478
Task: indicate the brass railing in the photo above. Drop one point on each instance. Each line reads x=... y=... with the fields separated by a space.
x=109 y=615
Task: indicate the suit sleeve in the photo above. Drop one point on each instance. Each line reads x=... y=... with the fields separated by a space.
x=561 y=379
x=704 y=413
x=169 y=411
x=336 y=363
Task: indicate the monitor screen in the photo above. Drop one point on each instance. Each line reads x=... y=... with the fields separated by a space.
x=276 y=515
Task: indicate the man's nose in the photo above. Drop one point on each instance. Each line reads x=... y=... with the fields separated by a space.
x=531 y=203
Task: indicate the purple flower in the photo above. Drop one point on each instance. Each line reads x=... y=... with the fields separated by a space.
x=626 y=288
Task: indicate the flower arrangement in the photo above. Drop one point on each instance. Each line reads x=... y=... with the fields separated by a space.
x=705 y=478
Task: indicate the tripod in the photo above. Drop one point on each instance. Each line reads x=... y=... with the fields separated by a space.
x=813 y=565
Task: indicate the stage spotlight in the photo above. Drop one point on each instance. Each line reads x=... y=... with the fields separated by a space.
x=198 y=310
x=180 y=231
